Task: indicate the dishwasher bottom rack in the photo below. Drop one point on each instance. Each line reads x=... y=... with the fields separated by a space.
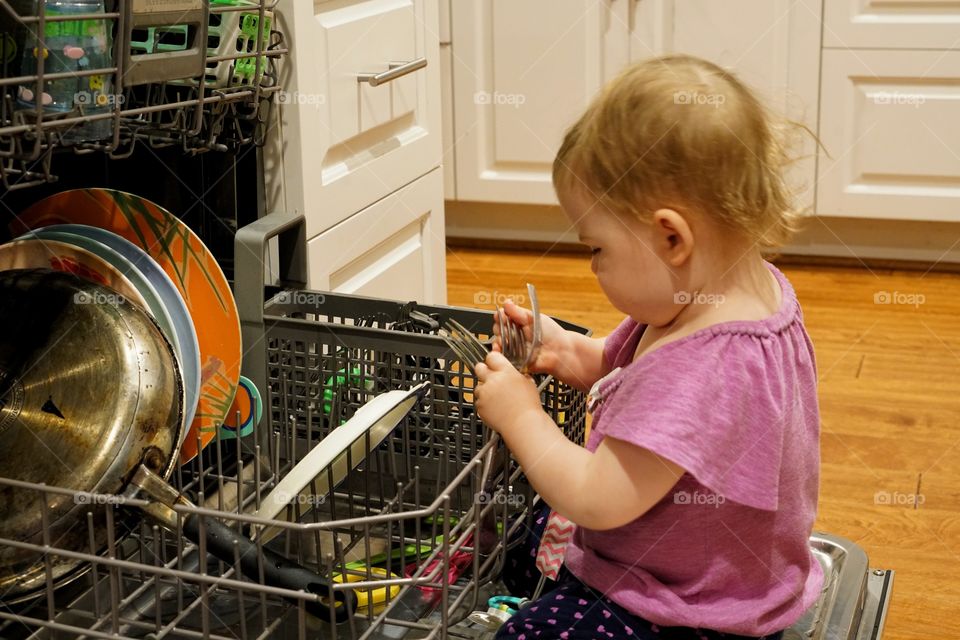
x=412 y=565
x=411 y=535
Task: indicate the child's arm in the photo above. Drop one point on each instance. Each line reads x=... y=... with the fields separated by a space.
x=604 y=489
x=581 y=363
x=567 y=355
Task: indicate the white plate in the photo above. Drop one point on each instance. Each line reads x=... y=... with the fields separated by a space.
x=379 y=417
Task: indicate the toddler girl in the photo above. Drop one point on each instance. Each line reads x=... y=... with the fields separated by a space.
x=696 y=492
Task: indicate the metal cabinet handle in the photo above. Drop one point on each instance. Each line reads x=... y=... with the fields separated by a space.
x=396 y=70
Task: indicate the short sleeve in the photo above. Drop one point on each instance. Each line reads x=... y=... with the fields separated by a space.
x=619 y=340
x=714 y=406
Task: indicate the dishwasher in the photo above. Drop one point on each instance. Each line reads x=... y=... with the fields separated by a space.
x=411 y=527
x=402 y=530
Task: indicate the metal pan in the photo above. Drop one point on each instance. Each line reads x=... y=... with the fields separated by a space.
x=92 y=395
x=134 y=261
x=88 y=392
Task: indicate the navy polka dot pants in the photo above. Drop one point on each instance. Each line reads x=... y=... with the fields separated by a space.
x=574 y=611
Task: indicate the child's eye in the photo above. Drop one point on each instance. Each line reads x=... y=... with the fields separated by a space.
x=595 y=251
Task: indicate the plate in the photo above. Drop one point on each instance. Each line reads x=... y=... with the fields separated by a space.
x=379 y=417
x=194 y=271
x=248 y=404
x=67 y=258
x=185 y=336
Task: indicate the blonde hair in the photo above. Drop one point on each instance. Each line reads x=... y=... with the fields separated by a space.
x=680 y=132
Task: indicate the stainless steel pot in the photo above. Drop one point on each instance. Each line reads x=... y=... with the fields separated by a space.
x=91 y=395
x=89 y=389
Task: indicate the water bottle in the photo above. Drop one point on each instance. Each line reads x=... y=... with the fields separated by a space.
x=72 y=46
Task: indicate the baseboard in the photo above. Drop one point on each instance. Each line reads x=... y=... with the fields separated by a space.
x=824 y=240
x=789 y=259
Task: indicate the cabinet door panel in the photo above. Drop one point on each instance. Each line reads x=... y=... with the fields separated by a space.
x=393 y=249
x=902 y=24
x=518 y=88
x=891 y=131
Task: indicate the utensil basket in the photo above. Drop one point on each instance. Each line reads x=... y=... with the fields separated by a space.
x=396 y=530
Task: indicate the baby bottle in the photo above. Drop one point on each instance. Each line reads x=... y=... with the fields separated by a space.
x=72 y=46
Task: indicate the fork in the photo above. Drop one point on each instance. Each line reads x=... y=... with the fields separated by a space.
x=512 y=342
x=469 y=349
x=512 y=345
x=464 y=344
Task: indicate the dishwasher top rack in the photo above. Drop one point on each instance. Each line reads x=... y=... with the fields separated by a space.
x=199 y=74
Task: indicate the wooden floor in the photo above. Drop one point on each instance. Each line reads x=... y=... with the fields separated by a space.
x=889 y=397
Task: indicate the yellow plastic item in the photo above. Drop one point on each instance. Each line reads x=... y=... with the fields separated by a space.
x=378 y=596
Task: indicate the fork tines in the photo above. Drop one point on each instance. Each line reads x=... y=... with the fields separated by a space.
x=463 y=343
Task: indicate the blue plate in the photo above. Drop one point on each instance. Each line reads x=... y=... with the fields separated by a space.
x=163 y=299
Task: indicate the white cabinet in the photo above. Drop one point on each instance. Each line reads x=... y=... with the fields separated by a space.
x=773 y=46
x=522 y=72
x=891 y=124
x=392 y=249
x=877 y=80
x=356 y=144
x=901 y=24
x=343 y=143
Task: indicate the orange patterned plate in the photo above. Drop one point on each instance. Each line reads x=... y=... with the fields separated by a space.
x=194 y=271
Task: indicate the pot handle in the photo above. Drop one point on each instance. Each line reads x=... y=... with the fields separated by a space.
x=221 y=541
x=278 y=571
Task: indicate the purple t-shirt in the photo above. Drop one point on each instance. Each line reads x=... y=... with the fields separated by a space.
x=735 y=405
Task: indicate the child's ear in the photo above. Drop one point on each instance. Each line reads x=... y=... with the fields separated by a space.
x=673 y=236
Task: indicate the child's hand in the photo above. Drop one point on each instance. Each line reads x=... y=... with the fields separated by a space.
x=503 y=395
x=554 y=339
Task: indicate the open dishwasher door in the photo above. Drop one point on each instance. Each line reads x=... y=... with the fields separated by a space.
x=854 y=600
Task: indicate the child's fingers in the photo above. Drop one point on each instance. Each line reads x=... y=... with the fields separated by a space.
x=517 y=313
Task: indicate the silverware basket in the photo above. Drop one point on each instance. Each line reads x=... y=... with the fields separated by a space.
x=399 y=533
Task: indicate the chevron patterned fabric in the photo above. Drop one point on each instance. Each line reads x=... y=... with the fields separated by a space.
x=553 y=544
